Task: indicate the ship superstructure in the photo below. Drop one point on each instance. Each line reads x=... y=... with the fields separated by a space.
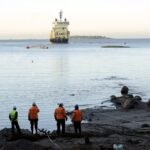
x=59 y=32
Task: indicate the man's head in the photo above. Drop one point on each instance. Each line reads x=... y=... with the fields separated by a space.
x=14 y=107
x=76 y=106
x=33 y=104
x=60 y=104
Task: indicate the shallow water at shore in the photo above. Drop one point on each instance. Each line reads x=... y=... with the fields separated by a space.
x=79 y=72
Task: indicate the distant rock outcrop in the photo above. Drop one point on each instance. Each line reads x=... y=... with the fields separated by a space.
x=115 y=46
x=127 y=101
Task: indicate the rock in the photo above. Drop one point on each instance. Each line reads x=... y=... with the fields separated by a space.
x=106 y=148
x=126 y=101
x=27 y=47
x=91 y=114
x=113 y=98
x=87 y=140
x=118 y=100
x=89 y=119
x=130 y=96
x=129 y=103
x=23 y=145
x=89 y=147
x=148 y=103
x=124 y=90
x=145 y=125
x=138 y=98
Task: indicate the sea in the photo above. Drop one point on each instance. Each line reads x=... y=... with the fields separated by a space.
x=81 y=72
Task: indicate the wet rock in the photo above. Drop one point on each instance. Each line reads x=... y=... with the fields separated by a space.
x=118 y=100
x=130 y=96
x=87 y=140
x=26 y=141
x=124 y=90
x=145 y=125
x=88 y=147
x=106 y=147
x=91 y=114
x=72 y=94
x=113 y=98
x=133 y=141
x=90 y=120
x=148 y=103
x=137 y=99
x=129 y=103
x=22 y=145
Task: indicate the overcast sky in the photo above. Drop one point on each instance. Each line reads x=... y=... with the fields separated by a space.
x=112 y=18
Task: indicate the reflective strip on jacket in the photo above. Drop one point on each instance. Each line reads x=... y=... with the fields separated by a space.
x=13 y=115
x=77 y=115
x=33 y=112
x=60 y=113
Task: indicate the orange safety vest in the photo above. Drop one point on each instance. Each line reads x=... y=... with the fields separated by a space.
x=60 y=113
x=33 y=112
x=77 y=115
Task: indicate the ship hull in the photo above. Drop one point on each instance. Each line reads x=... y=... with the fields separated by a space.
x=60 y=40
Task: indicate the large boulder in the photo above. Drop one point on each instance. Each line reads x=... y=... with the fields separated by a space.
x=128 y=103
x=22 y=145
x=120 y=100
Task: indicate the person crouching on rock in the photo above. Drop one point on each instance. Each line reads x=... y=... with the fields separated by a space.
x=60 y=116
x=77 y=117
x=13 y=116
x=33 y=117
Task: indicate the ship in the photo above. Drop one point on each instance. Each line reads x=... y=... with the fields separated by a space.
x=59 y=32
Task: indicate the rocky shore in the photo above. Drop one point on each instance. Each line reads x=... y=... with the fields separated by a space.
x=129 y=126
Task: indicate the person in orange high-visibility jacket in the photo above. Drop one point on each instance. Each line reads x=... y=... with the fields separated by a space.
x=33 y=117
x=60 y=117
x=77 y=117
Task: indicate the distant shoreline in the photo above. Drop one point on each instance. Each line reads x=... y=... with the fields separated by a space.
x=75 y=37
x=95 y=36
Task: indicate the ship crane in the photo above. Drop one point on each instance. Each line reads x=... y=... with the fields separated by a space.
x=60 y=15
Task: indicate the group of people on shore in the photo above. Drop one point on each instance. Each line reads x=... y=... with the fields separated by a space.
x=59 y=115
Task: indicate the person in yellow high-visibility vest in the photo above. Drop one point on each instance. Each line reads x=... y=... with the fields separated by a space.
x=13 y=116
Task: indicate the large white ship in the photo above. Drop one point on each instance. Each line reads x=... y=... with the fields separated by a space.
x=59 y=32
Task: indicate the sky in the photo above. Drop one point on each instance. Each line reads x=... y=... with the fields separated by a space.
x=111 y=18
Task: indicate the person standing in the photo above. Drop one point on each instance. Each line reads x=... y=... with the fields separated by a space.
x=60 y=116
x=77 y=117
x=13 y=116
x=33 y=117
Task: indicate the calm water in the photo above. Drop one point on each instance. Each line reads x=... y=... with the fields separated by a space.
x=80 y=72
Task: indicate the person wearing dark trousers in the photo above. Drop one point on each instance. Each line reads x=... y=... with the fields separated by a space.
x=34 y=123
x=33 y=117
x=77 y=117
x=13 y=116
x=60 y=116
x=77 y=126
x=61 y=122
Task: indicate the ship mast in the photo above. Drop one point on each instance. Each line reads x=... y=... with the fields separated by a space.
x=60 y=14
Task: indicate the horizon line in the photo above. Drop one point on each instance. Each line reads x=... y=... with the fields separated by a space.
x=76 y=36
